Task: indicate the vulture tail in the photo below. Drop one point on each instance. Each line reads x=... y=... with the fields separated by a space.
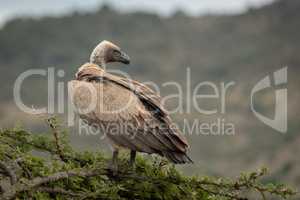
x=177 y=157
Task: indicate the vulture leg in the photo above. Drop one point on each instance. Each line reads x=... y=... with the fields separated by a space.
x=132 y=158
x=113 y=166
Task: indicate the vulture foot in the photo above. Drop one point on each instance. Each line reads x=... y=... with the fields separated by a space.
x=113 y=165
x=132 y=159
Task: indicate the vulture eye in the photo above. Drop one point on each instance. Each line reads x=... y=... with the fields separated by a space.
x=116 y=53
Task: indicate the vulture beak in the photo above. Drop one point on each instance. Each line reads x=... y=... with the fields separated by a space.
x=124 y=58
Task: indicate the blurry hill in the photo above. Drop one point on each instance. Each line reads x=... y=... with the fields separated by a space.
x=242 y=48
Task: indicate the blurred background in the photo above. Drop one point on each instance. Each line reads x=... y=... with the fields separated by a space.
x=220 y=41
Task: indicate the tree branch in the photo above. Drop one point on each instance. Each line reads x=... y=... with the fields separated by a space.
x=57 y=190
x=36 y=182
x=52 y=124
x=9 y=172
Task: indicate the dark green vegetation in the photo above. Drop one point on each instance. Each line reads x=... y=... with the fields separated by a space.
x=46 y=167
x=242 y=48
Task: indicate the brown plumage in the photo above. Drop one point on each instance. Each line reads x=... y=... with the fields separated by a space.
x=128 y=112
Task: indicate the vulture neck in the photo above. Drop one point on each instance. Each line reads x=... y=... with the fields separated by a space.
x=101 y=64
x=98 y=57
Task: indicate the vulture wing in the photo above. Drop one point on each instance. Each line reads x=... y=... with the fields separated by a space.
x=153 y=130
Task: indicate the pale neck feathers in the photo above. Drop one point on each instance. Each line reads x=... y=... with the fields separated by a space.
x=89 y=69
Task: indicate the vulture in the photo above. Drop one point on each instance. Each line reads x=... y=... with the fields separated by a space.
x=128 y=112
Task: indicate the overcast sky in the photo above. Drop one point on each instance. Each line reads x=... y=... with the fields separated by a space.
x=11 y=8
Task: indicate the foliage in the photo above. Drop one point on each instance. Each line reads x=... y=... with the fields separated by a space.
x=46 y=167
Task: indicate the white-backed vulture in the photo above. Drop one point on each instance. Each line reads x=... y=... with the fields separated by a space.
x=128 y=112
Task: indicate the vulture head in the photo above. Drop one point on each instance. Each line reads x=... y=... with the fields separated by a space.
x=106 y=52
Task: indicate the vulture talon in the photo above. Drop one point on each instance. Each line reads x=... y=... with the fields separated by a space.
x=112 y=170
